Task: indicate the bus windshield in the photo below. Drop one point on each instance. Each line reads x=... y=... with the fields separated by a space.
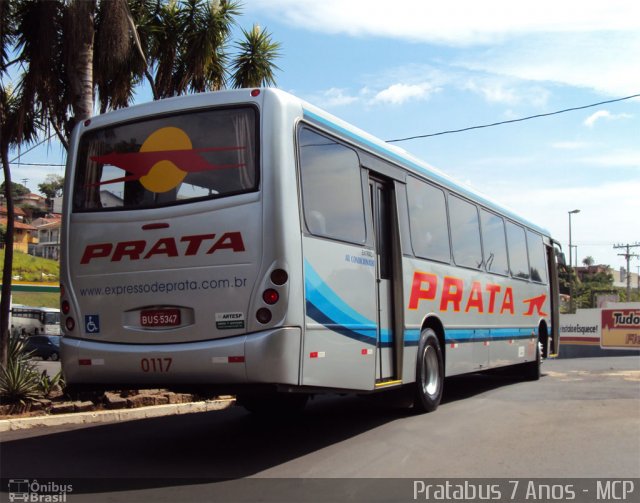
x=51 y=318
x=167 y=160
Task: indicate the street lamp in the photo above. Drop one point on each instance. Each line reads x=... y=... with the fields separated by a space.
x=572 y=212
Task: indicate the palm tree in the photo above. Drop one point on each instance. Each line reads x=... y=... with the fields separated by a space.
x=75 y=50
x=71 y=49
x=7 y=115
x=15 y=129
x=254 y=67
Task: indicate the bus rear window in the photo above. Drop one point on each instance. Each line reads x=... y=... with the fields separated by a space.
x=167 y=160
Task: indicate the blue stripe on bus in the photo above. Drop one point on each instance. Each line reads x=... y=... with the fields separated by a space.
x=463 y=335
x=325 y=307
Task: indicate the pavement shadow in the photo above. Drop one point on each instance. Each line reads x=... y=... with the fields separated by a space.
x=204 y=447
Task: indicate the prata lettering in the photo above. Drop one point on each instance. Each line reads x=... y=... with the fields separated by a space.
x=166 y=247
x=481 y=299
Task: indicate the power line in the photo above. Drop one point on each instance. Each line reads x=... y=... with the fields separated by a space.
x=32 y=148
x=514 y=120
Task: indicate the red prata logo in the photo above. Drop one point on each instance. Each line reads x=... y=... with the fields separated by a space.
x=184 y=246
x=490 y=299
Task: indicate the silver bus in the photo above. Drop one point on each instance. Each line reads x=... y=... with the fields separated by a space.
x=29 y=320
x=248 y=242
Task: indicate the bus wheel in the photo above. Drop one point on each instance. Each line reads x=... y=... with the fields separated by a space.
x=273 y=404
x=532 y=369
x=429 y=373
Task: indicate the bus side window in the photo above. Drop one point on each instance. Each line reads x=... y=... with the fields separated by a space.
x=428 y=221
x=517 y=245
x=494 y=241
x=537 y=263
x=465 y=233
x=331 y=188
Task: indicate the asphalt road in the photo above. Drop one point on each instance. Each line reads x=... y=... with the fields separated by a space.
x=582 y=419
x=51 y=367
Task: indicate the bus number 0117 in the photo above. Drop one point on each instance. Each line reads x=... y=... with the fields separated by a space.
x=156 y=364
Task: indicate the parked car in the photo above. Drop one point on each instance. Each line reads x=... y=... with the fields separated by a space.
x=45 y=346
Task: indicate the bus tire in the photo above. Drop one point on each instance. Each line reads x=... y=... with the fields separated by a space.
x=429 y=373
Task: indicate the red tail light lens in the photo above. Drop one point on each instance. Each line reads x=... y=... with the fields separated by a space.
x=270 y=296
x=66 y=307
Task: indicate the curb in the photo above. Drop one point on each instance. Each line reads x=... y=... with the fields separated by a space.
x=109 y=416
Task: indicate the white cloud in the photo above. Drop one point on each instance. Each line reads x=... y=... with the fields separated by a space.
x=569 y=145
x=600 y=60
x=505 y=90
x=615 y=159
x=335 y=97
x=604 y=114
x=585 y=43
x=397 y=94
x=456 y=22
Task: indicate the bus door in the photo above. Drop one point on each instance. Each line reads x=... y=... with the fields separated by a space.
x=552 y=346
x=382 y=209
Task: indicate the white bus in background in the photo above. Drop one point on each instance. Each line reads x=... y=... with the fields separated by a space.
x=248 y=242
x=28 y=320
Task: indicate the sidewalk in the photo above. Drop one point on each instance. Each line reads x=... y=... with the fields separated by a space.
x=110 y=416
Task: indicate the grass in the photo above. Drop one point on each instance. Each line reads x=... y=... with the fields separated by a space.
x=34 y=269
x=29 y=268
x=36 y=299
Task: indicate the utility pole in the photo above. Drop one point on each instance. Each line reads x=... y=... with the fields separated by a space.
x=627 y=256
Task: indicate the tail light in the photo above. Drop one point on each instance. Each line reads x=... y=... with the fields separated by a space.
x=263 y=315
x=270 y=296
x=274 y=290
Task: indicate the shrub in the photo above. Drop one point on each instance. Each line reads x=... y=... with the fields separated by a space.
x=19 y=380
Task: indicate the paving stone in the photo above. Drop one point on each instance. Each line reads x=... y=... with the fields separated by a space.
x=63 y=408
x=83 y=406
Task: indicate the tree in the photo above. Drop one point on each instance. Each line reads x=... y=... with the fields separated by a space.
x=253 y=67
x=79 y=52
x=52 y=186
x=12 y=133
x=17 y=189
x=588 y=261
x=69 y=51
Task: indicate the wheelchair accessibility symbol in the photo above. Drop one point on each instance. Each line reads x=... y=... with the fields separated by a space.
x=92 y=324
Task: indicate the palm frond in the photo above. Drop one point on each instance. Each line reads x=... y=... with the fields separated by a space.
x=7 y=33
x=254 y=65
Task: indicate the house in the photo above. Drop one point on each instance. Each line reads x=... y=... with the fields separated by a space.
x=21 y=230
x=48 y=232
x=32 y=201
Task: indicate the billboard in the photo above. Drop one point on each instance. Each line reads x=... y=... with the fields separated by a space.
x=620 y=329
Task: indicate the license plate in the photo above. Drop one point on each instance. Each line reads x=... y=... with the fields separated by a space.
x=160 y=318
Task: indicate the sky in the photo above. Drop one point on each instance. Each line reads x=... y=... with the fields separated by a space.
x=411 y=67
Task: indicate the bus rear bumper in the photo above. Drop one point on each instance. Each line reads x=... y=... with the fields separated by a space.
x=272 y=356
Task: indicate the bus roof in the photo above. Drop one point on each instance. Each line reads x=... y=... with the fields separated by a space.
x=36 y=308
